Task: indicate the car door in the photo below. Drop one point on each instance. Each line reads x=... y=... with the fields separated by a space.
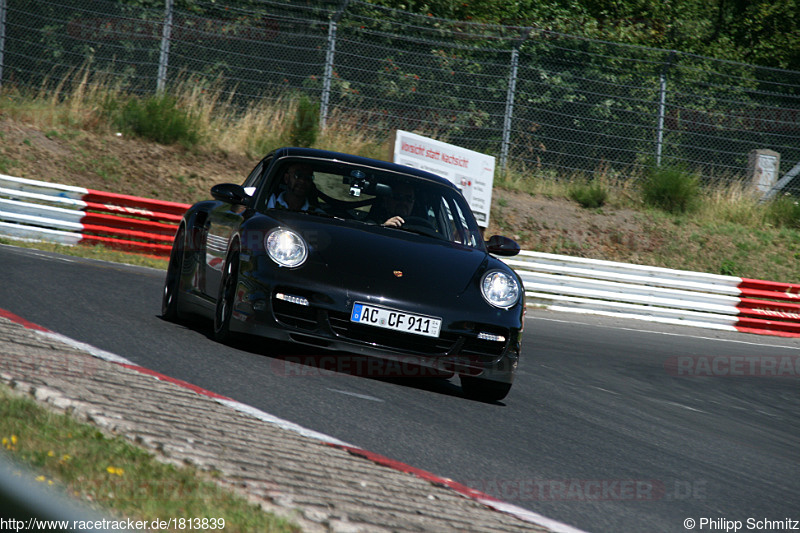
x=222 y=224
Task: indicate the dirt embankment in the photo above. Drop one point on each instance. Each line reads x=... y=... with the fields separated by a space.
x=116 y=163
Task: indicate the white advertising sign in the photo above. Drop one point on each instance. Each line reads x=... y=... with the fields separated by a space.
x=472 y=172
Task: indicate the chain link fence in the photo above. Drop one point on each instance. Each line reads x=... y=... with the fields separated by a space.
x=554 y=105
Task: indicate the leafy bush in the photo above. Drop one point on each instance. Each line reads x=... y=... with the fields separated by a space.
x=589 y=195
x=305 y=126
x=159 y=119
x=784 y=211
x=672 y=189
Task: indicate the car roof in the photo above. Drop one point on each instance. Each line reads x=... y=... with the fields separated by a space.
x=313 y=153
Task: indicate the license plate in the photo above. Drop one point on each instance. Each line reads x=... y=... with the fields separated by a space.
x=396 y=320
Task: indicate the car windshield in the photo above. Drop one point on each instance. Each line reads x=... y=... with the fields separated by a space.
x=367 y=195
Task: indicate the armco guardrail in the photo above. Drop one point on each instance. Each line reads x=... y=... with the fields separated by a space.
x=37 y=210
x=576 y=284
x=41 y=211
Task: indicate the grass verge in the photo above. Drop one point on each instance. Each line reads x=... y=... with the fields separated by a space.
x=725 y=247
x=116 y=476
x=100 y=253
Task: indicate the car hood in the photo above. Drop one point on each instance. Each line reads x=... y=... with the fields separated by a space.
x=375 y=260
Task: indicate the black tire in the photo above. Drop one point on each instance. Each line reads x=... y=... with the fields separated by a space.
x=172 y=284
x=227 y=293
x=484 y=390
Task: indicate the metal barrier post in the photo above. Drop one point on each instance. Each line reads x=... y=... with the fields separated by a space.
x=512 y=83
x=163 y=59
x=326 y=78
x=512 y=87
x=2 y=36
x=328 y=75
x=662 y=106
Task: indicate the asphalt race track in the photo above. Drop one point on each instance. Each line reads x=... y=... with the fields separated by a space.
x=602 y=430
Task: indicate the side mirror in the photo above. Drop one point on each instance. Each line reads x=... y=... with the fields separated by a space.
x=499 y=245
x=230 y=193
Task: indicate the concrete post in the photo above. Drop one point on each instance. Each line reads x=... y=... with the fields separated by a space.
x=762 y=168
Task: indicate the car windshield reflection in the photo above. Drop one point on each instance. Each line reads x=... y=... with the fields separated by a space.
x=368 y=196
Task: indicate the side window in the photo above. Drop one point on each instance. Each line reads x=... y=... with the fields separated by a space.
x=447 y=221
x=251 y=183
x=457 y=223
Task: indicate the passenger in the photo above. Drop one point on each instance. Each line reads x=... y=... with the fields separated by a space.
x=299 y=181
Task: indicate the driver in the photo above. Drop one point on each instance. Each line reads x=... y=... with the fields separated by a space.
x=299 y=181
x=399 y=205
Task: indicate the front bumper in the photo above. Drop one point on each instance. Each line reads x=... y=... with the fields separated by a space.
x=324 y=323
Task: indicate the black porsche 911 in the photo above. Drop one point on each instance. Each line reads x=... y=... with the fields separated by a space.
x=354 y=255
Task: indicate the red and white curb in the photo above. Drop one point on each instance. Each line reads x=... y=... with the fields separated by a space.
x=77 y=215
x=657 y=294
x=485 y=499
x=770 y=317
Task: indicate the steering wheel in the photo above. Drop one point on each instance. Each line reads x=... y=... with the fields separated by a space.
x=421 y=225
x=417 y=221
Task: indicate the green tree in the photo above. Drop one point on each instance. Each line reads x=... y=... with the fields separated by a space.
x=763 y=32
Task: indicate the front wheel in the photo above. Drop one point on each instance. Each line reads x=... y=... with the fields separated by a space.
x=172 y=284
x=484 y=390
x=225 y=299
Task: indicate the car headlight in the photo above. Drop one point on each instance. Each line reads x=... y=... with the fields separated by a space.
x=500 y=289
x=286 y=247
